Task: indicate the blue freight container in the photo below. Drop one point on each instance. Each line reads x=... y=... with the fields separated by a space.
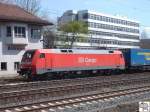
x=137 y=57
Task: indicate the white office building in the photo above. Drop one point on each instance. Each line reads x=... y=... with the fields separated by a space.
x=67 y=16
x=19 y=31
x=106 y=30
x=145 y=38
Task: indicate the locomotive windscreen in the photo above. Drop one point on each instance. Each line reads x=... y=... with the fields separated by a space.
x=29 y=54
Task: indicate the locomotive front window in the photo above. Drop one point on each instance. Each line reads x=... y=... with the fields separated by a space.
x=29 y=54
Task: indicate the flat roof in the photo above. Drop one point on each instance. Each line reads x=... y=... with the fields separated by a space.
x=108 y=15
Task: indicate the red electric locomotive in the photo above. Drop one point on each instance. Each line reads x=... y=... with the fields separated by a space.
x=43 y=61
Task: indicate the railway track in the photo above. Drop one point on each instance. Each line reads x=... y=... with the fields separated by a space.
x=55 y=83
x=23 y=94
x=61 y=104
x=50 y=93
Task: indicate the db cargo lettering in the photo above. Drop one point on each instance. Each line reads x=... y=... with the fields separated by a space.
x=86 y=60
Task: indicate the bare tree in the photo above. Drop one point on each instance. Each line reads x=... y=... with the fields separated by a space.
x=4 y=1
x=32 y=6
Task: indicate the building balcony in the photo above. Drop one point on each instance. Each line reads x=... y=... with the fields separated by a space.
x=16 y=41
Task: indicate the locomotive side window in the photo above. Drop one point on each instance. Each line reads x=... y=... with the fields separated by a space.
x=42 y=55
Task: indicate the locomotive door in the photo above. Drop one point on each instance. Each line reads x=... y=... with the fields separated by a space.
x=119 y=61
x=42 y=62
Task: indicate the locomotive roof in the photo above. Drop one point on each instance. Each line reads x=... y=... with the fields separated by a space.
x=79 y=51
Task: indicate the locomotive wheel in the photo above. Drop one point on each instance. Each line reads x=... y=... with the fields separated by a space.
x=43 y=77
x=109 y=72
x=27 y=77
x=117 y=72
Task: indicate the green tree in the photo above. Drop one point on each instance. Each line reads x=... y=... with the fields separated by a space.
x=74 y=28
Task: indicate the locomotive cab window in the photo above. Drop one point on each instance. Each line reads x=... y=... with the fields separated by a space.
x=42 y=55
x=29 y=54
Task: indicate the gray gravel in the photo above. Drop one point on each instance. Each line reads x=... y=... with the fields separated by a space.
x=123 y=108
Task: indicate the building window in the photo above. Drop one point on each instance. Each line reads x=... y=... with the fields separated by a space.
x=0 y=32
x=36 y=33
x=9 y=32
x=16 y=47
x=85 y=16
x=91 y=16
x=3 y=66
x=16 y=65
x=20 y=32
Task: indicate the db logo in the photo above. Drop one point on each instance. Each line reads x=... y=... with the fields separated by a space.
x=86 y=60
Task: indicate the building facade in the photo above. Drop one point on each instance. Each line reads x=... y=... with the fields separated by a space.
x=106 y=30
x=145 y=38
x=68 y=16
x=19 y=31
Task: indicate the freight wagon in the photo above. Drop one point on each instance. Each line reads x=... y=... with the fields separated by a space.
x=137 y=58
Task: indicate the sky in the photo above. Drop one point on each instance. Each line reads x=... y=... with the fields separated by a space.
x=133 y=9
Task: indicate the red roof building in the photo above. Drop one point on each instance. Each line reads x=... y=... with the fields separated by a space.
x=13 y=13
x=19 y=31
